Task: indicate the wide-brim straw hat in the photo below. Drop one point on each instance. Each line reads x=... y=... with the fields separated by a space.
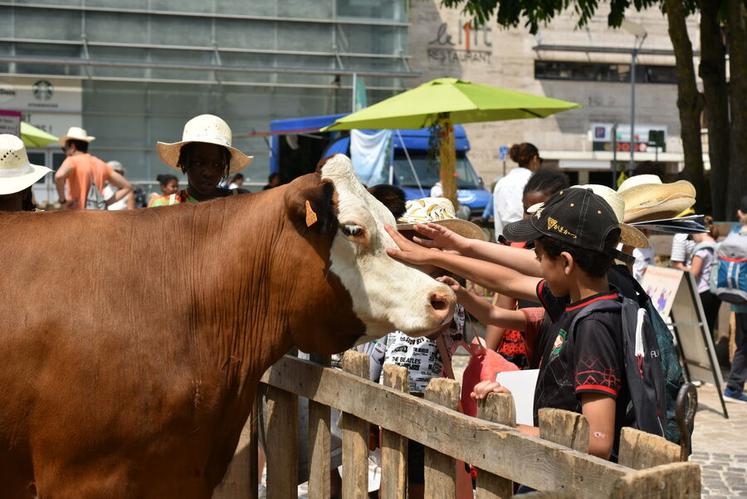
x=76 y=133
x=647 y=198
x=629 y=235
x=206 y=129
x=16 y=172
x=439 y=211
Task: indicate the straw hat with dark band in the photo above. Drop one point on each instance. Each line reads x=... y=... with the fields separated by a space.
x=207 y=129
x=16 y=172
x=647 y=198
x=439 y=211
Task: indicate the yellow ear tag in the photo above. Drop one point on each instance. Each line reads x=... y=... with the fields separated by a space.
x=310 y=215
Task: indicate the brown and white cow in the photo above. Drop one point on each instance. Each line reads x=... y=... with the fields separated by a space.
x=131 y=343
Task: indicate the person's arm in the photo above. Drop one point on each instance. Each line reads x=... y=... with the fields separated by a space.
x=599 y=411
x=679 y=266
x=60 y=177
x=483 y=311
x=488 y=275
x=494 y=334
x=131 y=201
x=518 y=259
x=696 y=268
x=123 y=187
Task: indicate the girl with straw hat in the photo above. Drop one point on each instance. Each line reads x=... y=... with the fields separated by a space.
x=17 y=175
x=206 y=156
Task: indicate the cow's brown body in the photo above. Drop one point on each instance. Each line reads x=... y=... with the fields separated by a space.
x=131 y=344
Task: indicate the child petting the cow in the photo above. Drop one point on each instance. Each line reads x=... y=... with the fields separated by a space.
x=575 y=235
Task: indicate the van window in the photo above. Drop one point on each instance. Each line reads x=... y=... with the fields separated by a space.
x=427 y=171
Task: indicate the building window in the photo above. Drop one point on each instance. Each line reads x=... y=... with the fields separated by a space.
x=601 y=71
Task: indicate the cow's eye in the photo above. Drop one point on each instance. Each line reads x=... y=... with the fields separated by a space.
x=351 y=230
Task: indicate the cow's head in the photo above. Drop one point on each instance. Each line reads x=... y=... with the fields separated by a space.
x=345 y=225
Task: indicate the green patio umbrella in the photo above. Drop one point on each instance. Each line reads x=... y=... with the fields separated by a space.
x=444 y=102
x=35 y=137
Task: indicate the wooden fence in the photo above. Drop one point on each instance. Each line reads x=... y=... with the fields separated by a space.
x=555 y=464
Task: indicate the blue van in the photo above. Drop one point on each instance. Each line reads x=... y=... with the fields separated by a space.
x=297 y=145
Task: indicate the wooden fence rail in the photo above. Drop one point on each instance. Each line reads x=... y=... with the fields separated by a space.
x=554 y=464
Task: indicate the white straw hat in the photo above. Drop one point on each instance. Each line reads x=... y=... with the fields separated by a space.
x=439 y=211
x=208 y=129
x=16 y=173
x=647 y=198
x=76 y=133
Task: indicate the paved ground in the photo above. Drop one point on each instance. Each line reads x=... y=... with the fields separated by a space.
x=720 y=445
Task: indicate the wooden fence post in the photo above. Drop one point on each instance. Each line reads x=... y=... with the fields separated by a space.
x=497 y=408
x=281 y=446
x=354 y=437
x=668 y=481
x=640 y=450
x=566 y=428
x=394 y=446
x=319 y=444
x=440 y=469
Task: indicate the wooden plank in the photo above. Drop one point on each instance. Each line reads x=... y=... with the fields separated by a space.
x=393 y=446
x=281 y=447
x=668 y=481
x=498 y=408
x=354 y=436
x=320 y=444
x=548 y=494
x=569 y=429
x=440 y=469
x=496 y=448
x=240 y=481
x=640 y=450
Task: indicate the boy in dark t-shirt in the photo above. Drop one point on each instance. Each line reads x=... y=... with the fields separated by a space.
x=575 y=235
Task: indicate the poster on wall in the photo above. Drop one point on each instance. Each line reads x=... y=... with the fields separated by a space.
x=10 y=122
x=661 y=284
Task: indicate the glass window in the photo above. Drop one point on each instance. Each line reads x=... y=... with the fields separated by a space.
x=376 y=9
x=596 y=71
x=427 y=171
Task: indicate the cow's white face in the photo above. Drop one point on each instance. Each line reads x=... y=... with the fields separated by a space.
x=387 y=295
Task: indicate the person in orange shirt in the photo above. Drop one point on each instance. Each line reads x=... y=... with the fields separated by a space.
x=81 y=168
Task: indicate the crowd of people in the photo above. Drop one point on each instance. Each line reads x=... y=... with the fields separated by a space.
x=554 y=268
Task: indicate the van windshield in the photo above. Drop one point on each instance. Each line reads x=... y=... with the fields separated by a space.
x=427 y=172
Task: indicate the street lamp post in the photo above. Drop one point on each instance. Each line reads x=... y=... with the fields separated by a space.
x=640 y=33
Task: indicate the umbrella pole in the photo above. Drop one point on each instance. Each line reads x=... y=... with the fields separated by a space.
x=447 y=160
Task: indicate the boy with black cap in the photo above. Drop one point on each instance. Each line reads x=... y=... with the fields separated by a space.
x=575 y=236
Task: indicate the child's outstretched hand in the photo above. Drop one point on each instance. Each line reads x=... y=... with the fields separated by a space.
x=483 y=388
x=453 y=284
x=440 y=237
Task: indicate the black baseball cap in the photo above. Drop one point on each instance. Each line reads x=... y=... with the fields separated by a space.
x=574 y=216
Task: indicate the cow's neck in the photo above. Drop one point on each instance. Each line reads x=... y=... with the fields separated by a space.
x=242 y=323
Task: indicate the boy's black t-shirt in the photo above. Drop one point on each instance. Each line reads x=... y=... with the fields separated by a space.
x=591 y=362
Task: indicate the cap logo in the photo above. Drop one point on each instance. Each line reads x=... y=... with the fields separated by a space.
x=553 y=225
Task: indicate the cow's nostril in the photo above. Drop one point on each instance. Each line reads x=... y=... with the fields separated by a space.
x=439 y=302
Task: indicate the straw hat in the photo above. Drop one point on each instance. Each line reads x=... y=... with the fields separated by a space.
x=439 y=211
x=647 y=198
x=207 y=129
x=629 y=235
x=16 y=173
x=76 y=133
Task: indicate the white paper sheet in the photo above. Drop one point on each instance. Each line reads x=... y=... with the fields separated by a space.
x=521 y=384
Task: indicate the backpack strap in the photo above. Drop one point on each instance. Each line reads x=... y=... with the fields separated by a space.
x=710 y=245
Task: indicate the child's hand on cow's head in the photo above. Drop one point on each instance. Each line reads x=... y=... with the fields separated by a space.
x=452 y=283
x=483 y=388
x=408 y=251
x=440 y=237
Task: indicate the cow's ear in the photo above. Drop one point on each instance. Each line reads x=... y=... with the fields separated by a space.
x=313 y=206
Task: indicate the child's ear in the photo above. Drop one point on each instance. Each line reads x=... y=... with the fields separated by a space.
x=568 y=263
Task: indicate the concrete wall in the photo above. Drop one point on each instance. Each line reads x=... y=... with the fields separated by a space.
x=505 y=57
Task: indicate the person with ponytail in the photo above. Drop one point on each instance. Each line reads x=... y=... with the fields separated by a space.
x=508 y=192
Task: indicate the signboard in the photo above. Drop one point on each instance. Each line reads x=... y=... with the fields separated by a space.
x=647 y=137
x=661 y=285
x=10 y=122
x=502 y=152
x=694 y=338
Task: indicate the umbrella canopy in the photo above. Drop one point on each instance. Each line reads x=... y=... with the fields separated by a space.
x=461 y=101
x=35 y=137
